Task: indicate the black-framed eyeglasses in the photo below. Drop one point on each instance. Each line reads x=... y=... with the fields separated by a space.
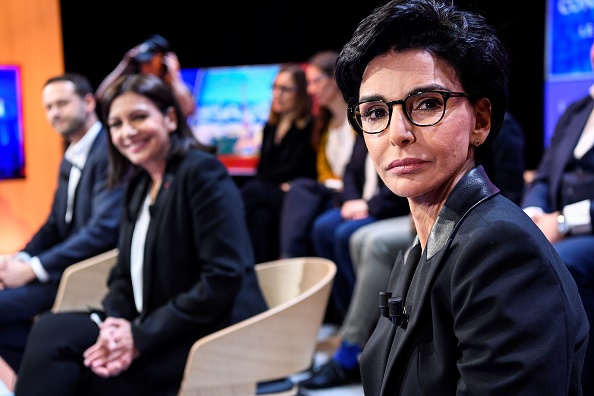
x=283 y=89
x=423 y=108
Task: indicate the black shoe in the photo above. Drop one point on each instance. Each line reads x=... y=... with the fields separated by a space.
x=330 y=375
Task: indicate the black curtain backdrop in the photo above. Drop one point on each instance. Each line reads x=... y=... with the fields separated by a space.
x=97 y=34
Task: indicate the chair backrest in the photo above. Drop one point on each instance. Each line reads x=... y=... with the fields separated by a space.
x=273 y=344
x=84 y=284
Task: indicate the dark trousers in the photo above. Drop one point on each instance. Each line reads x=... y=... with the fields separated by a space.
x=53 y=362
x=18 y=308
x=263 y=201
x=577 y=253
x=331 y=235
x=306 y=199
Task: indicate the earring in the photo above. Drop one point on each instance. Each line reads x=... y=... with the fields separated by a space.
x=477 y=142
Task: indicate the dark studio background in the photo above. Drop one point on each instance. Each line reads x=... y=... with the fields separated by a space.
x=97 y=34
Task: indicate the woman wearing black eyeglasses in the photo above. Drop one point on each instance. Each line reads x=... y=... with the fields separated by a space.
x=480 y=303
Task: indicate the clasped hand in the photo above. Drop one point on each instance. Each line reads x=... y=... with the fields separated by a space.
x=114 y=350
x=354 y=209
x=14 y=273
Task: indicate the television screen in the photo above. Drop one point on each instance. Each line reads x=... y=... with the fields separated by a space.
x=12 y=151
x=568 y=71
x=232 y=106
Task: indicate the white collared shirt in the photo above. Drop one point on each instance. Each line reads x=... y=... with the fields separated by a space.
x=77 y=155
x=137 y=251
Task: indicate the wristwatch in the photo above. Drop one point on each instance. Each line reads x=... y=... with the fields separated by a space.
x=562 y=225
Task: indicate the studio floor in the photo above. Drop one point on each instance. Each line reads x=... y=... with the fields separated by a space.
x=326 y=332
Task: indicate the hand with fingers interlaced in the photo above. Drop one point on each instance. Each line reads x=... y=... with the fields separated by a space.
x=114 y=350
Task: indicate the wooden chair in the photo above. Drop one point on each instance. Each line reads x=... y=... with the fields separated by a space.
x=84 y=284
x=232 y=361
x=274 y=344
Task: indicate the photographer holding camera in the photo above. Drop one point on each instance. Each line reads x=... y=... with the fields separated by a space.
x=153 y=56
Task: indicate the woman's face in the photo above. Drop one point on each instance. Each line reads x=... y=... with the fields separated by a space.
x=423 y=163
x=284 y=93
x=320 y=86
x=140 y=131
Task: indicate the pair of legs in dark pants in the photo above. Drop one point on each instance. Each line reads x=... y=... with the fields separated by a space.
x=53 y=362
x=263 y=202
x=331 y=235
x=577 y=253
x=303 y=203
x=18 y=308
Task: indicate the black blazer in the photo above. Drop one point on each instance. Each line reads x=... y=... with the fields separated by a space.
x=293 y=157
x=197 y=260
x=491 y=308
x=95 y=219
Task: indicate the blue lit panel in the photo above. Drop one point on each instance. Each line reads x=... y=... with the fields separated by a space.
x=12 y=153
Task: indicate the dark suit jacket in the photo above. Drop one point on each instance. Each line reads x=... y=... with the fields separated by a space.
x=545 y=191
x=492 y=309
x=95 y=218
x=197 y=259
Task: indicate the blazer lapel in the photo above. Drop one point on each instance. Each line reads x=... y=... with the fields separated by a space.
x=414 y=283
x=157 y=211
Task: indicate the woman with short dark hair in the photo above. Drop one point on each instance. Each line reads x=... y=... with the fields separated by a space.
x=480 y=303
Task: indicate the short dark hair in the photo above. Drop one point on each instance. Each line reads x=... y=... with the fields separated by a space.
x=157 y=91
x=81 y=83
x=460 y=38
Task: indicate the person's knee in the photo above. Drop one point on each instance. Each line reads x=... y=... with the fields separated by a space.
x=301 y=188
x=46 y=325
x=357 y=241
x=323 y=226
x=573 y=259
x=343 y=233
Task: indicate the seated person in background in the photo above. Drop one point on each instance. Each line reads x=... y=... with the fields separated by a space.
x=333 y=139
x=560 y=201
x=472 y=296
x=374 y=249
x=365 y=199
x=185 y=262
x=287 y=153
x=153 y=56
x=83 y=220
